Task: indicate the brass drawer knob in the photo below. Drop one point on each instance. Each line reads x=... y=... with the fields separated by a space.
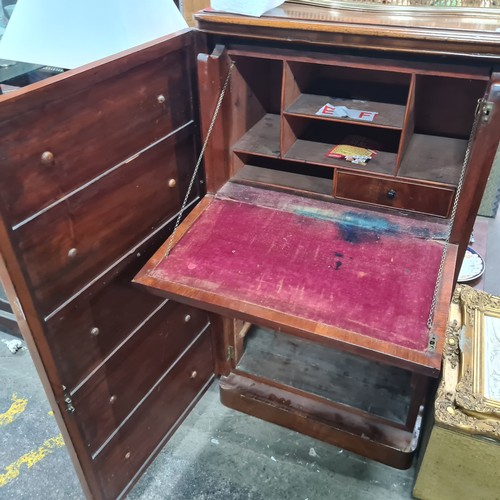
x=172 y=183
x=47 y=157
x=391 y=194
x=72 y=253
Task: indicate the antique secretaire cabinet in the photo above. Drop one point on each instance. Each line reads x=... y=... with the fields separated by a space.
x=318 y=288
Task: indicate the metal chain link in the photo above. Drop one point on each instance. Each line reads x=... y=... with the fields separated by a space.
x=200 y=158
x=453 y=214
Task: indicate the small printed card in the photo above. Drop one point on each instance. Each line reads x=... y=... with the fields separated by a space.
x=343 y=112
x=352 y=154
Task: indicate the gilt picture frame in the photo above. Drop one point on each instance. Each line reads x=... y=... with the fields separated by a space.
x=468 y=397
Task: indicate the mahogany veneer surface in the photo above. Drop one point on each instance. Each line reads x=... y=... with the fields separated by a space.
x=354 y=269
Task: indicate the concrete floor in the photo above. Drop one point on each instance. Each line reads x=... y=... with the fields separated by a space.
x=217 y=454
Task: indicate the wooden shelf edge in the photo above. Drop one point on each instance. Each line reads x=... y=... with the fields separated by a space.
x=342 y=120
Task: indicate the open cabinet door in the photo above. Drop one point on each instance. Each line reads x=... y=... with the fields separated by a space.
x=95 y=164
x=482 y=154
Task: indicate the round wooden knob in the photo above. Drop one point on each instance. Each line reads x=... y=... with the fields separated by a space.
x=94 y=332
x=172 y=183
x=47 y=157
x=391 y=194
x=161 y=99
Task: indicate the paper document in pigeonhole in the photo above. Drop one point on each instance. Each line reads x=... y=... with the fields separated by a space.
x=253 y=8
x=68 y=34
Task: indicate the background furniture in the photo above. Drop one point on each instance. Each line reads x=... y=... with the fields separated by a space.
x=462 y=452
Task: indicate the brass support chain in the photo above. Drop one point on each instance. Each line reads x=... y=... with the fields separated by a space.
x=200 y=158
x=465 y=164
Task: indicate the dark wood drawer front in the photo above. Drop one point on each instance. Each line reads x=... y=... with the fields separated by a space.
x=85 y=132
x=396 y=194
x=112 y=305
x=108 y=397
x=153 y=422
x=67 y=246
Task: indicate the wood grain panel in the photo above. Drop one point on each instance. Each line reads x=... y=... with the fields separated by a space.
x=445 y=106
x=157 y=417
x=102 y=221
x=108 y=397
x=390 y=193
x=415 y=34
x=111 y=201
x=111 y=304
x=337 y=376
x=90 y=131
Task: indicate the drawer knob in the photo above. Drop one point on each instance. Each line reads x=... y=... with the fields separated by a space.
x=72 y=253
x=94 y=331
x=194 y=374
x=160 y=99
x=172 y=183
x=112 y=399
x=47 y=157
x=391 y=194
x=187 y=318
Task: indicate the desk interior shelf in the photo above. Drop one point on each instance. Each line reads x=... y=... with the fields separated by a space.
x=263 y=138
x=419 y=133
x=388 y=115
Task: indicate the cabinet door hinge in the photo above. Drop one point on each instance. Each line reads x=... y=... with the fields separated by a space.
x=485 y=110
x=431 y=346
x=230 y=353
x=68 y=402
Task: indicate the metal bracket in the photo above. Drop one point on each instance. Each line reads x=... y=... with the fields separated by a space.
x=230 y=353
x=68 y=402
x=486 y=110
x=431 y=346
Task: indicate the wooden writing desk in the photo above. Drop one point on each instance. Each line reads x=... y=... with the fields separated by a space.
x=334 y=263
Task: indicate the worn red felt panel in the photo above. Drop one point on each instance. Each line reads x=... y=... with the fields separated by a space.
x=350 y=268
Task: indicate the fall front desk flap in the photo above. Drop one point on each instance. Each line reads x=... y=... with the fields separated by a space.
x=468 y=397
x=259 y=252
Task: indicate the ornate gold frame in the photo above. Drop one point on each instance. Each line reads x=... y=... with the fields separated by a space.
x=461 y=402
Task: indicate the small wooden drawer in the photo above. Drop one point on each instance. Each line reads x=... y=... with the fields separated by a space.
x=396 y=194
x=75 y=137
x=67 y=246
x=108 y=397
x=157 y=416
